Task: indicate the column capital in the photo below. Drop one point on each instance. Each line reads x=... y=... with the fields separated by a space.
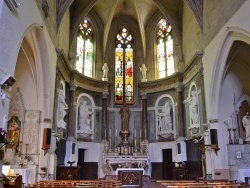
x=179 y=87
x=72 y=85
x=105 y=94
x=143 y=95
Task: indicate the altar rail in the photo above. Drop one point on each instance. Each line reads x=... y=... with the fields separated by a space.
x=75 y=184
x=198 y=184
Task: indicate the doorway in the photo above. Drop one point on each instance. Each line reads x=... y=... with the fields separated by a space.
x=88 y=170
x=167 y=164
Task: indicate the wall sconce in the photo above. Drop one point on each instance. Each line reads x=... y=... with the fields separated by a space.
x=7 y=81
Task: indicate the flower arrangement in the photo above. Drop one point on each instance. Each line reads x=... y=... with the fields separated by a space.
x=3 y=134
x=21 y=162
x=6 y=162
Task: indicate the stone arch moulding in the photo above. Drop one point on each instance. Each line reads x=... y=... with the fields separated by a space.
x=165 y=117
x=85 y=116
x=232 y=34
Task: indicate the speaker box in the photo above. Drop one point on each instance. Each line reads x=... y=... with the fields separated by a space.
x=46 y=138
x=214 y=138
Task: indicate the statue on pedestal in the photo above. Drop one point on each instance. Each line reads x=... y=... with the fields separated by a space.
x=246 y=124
x=14 y=131
x=125 y=115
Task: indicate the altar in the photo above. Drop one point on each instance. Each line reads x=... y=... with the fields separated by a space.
x=114 y=164
x=130 y=169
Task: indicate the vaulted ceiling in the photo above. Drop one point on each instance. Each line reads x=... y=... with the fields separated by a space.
x=139 y=10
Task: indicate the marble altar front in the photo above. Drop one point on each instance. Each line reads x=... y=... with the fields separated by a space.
x=112 y=164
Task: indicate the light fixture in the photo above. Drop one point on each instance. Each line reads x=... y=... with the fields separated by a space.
x=12 y=4
x=7 y=81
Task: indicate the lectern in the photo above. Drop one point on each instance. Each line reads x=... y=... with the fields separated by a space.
x=131 y=177
x=12 y=181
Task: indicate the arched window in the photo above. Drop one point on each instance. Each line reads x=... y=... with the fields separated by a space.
x=124 y=68
x=165 y=60
x=84 y=62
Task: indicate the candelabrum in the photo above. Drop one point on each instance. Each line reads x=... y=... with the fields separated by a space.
x=105 y=146
x=135 y=149
x=230 y=139
x=43 y=172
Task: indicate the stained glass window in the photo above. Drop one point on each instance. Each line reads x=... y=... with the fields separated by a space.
x=124 y=68
x=165 y=60
x=84 y=62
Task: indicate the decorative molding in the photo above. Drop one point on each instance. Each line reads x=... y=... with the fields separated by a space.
x=17 y=105
x=45 y=8
x=31 y=128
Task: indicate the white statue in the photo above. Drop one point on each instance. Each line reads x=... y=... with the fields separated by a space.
x=194 y=109
x=105 y=70
x=246 y=124
x=143 y=70
x=164 y=118
x=62 y=107
x=84 y=117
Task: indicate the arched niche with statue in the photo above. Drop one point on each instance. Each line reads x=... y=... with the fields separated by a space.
x=194 y=114
x=165 y=117
x=85 y=121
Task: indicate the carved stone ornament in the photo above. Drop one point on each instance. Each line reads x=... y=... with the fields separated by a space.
x=45 y=8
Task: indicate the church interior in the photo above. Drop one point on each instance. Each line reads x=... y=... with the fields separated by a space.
x=106 y=89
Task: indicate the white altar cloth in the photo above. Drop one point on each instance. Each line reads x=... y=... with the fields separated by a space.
x=25 y=173
x=130 y=169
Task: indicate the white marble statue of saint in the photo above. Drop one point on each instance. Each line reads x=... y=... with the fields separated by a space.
x=165 y=122
x=194 y=109
x=105 y=70
x=143 y=70
x=246 y=124
x=62 y=107
x=85 y=117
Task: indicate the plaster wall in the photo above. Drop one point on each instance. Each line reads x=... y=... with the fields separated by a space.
x=215 y=55
x=63 y=33
x=155 y=150
x=216 y=14
x=12 y=31
x=191 y=35
x=231 y=87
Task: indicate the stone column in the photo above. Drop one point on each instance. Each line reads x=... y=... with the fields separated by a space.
x=72 y=108
x=104 y=113
x=144 y=116
x=180 y=122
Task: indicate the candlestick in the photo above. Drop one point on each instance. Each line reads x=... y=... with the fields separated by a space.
x=110 y=133
x=135 y=132
x=105 y=133
x=135 y=145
